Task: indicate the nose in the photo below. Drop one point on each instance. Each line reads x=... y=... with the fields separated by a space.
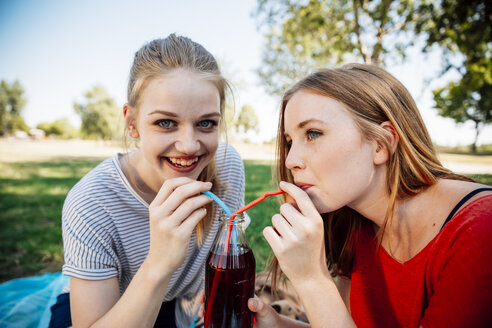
x=294 y=160
x=187 y=142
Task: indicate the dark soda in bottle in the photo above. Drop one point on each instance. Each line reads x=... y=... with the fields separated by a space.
x=229 y=278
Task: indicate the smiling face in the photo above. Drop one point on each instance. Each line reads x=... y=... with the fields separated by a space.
x=177 y=121
x=328 y=157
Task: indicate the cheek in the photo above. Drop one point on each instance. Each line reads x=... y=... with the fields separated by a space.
x=211 y=142
x=153 y=144
x=342 y=173
x=357 y=173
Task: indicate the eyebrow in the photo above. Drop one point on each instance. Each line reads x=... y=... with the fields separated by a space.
x=172 y=114
x=306 y=122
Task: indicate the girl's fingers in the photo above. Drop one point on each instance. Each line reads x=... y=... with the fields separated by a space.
x=187 y=226
x=188 y=206
x=201 y=295
x=168 y=187
x=282 y=226
x=201 y=300
x=201 y=312
x=292 y=215
x=301 y=198
x=180 y=194
x=273 y=239
x=265 y=315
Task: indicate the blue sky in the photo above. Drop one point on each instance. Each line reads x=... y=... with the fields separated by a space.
x=60 y=49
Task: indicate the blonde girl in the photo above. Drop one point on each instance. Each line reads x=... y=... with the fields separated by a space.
x=137 y=228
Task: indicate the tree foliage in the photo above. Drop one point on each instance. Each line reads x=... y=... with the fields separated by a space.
x=12 y=102
x=463 y=29
x=247 y=120
x=60 y=128
x=302 y=35
x=243 y=122
x=99 y=115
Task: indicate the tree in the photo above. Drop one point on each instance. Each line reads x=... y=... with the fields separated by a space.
x=246 y=120
x=60 y=128
x=463 y=29
x=301 y=35
x=99 y=114
x=243 y=122
x=12 y=103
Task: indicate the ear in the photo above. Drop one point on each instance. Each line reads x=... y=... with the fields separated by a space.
x=130 y=121
x=382 y=153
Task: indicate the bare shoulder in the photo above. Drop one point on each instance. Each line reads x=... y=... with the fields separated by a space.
x=446 y=194
x=456 y=190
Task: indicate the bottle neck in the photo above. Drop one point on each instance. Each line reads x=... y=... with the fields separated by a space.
x=231 y=237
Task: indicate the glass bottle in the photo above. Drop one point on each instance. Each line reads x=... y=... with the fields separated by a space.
x=229 y=277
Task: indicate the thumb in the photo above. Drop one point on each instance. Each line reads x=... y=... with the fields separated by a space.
x=265 y=315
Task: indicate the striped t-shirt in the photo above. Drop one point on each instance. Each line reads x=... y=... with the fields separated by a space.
x=106 y=230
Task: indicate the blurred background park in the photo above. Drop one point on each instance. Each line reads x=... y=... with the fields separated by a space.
x=64 y=68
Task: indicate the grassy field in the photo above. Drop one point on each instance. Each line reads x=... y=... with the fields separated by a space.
x=32 y=191
x=31 y=199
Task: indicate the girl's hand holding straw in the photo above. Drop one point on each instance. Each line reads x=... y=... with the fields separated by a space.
x=173 y=214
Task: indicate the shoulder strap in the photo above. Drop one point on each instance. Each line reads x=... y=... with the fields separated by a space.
x=461 y=202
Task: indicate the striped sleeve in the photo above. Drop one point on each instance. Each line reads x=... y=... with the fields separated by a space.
x=87 y=239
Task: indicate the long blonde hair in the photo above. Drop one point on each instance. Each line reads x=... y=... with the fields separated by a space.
x=372 y=96
x=163 y=56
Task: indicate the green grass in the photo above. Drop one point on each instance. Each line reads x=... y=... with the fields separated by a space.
x=258 y=181
x=466 y=150
x=482 y=178
x=31 y=200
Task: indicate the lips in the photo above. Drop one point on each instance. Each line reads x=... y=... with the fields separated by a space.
x=182 y=164
x=303 y=186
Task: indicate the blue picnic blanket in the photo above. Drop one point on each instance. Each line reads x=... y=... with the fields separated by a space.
x=26 y=302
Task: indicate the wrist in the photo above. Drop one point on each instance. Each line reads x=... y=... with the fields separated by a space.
x=312 y=279
x=154 y=275
x=314 y=283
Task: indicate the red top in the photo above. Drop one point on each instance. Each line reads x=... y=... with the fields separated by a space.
x=447 y=284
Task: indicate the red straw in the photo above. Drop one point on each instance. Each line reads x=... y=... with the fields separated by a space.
x=244 y=208
x=226 y=247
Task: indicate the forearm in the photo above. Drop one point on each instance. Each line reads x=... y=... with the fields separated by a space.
x=323 y=304
x=140 y=303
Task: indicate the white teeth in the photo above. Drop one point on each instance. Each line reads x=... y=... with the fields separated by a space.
x=182 y=162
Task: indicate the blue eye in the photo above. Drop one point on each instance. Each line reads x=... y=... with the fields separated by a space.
x=312 y=134
x=166 y=123
x=207 y=124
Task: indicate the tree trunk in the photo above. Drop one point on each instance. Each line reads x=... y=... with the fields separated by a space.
x=477 y=132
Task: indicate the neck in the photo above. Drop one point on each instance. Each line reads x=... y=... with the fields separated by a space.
x=401 y=225
x=411 y=226
x=134 y=167
x=374 y=201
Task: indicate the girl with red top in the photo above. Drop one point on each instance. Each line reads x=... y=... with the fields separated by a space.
x=408 y=241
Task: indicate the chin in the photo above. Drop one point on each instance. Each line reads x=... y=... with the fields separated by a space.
x=191 y=175
x=321 y=206
x=323 y=209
